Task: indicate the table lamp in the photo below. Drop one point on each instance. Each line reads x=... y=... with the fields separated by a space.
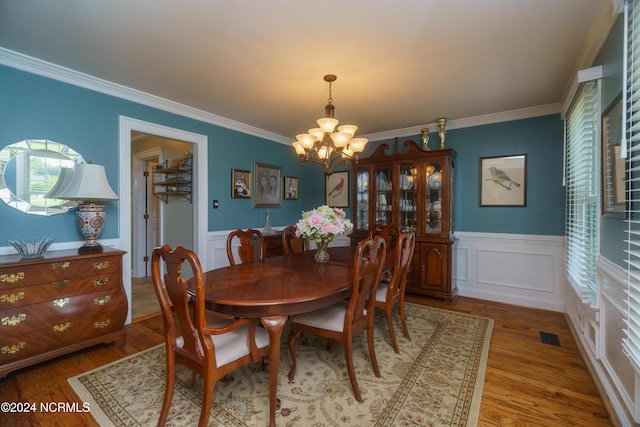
x=89 y=183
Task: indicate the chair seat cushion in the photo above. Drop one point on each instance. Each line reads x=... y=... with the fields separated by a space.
x=381 y=292
x=330 y=318
x=232 y=345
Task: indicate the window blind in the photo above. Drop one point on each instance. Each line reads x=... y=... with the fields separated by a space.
x=581 y=190
x=631 y=343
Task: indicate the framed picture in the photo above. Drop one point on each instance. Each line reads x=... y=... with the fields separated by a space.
x=268 y=180
x=290 y=188
x=337 y=190
x=240 y=184
x=613 y=172
x=503 y=180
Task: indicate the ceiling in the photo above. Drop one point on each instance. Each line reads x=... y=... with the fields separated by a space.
x=400 y=64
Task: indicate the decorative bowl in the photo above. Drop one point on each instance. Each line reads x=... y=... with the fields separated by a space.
x=32 y=248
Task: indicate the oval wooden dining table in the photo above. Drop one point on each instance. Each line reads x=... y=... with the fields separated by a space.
x=276 y=288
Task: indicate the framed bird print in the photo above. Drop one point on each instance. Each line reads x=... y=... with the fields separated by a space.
x=503 y=180
x=337 y=189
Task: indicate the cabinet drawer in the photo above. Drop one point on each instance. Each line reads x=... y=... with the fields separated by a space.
x=56 y=336
x=56 y=270
x=20 y=320
x=58 y=288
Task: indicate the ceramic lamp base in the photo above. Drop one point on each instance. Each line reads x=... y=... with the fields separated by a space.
x=91 y=219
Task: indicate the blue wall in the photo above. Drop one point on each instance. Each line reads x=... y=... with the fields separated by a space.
x=37 y=107
x=541 y=139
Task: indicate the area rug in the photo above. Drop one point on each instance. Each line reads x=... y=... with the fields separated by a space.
x=436 y=380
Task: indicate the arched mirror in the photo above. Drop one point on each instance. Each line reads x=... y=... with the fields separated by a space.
x=31 y=174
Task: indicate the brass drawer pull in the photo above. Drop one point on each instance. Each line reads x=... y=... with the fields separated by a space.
x=61 y=302
x=100 y=265
x=11 y=278
x=14 y=348
x=60 y=284
x=14 y=320
x=100 y=282
x=61 y=327
x=102 y=301
x=102 y=324
x=61 y=265
x=13 y=298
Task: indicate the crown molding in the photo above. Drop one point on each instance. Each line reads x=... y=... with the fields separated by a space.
x=505 y=116
x=56 y=72
x=46 y=69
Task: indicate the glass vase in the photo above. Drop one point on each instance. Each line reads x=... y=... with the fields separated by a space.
x=322 y=256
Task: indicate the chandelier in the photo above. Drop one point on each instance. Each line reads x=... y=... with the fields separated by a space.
x=324 y=146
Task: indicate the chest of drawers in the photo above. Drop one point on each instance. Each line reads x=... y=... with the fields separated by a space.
x=58 y=304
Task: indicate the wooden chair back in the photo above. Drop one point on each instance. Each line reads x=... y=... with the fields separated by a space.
x=389 y=233
x=392 y=292
x=198 y=347
x=292 y=243
x=247 y=252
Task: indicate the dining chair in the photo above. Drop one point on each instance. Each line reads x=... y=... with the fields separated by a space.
x=211 y=350
x=346 y=318
x=246 y=250
x=391 y=292
x=291 y=243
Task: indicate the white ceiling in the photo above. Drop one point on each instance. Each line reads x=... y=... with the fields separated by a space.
x=400 y=64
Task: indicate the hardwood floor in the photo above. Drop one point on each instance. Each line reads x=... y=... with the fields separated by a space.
x=527 y=383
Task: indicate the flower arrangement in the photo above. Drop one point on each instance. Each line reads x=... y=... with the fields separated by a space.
x=323 y=224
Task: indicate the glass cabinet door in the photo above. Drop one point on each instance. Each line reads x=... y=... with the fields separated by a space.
x=433 y=197
x=384 y=194
x=408 y=197
x=362 y=198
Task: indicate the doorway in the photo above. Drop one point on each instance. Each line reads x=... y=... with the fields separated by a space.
x=130 y=130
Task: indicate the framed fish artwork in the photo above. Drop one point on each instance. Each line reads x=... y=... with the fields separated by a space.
x=337 y=189
x=503 y=181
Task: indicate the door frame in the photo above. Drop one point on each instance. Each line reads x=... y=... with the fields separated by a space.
x=199 y=189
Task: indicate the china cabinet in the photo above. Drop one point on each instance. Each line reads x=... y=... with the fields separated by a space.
x=173 y=179
x=58 y=304
x=411 y=188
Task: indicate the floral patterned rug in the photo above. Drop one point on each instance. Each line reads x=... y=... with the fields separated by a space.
x=436 y=380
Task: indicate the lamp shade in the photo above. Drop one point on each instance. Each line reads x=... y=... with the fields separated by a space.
x=64 y=179
x=89 y=183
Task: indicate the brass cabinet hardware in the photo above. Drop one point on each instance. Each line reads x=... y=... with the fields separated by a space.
x=12 y=278
x=60 y=284
x=102 y=301
x=61 y=302
x=14 y=320
x=61 y=327
x=100 y=282
x=102 y=324
x=13 y=298
x=60 y=265
x=14 y=348
x=100 y=265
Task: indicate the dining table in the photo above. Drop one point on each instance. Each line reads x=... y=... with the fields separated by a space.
x=274 y=289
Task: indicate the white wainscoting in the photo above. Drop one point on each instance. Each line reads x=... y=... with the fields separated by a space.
x=519 y=269
x=599 y=331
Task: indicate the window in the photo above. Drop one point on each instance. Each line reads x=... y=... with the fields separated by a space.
x=631 y=343
x=581 y=190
